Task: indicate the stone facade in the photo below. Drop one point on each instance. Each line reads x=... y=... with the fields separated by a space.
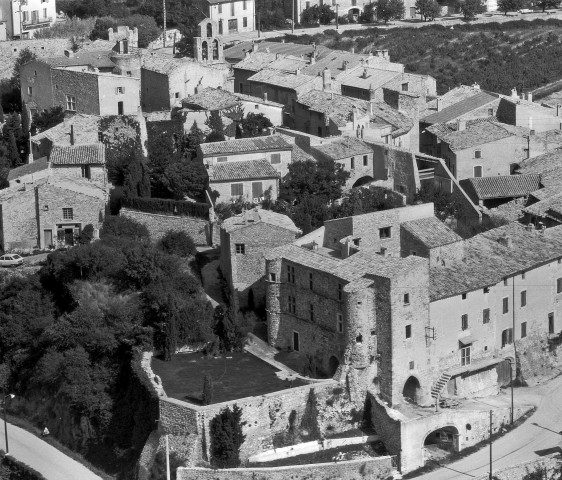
x=224 y=189
x=233 y=16
x=200 y=230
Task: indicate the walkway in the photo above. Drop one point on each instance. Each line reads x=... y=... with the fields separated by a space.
x=46 y=459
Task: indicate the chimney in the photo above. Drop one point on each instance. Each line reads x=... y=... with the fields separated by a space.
x=514 y=93
x=371 y=108
x=68 y=53
x=531 y=125
x=558 y=110
x=439 y=104
x=314 y=245
x=246 y=54
x=283 y=40
x=364 y=75
x=254 y=47
x=506 y=241
x=461 y=124
x=298 y=72
x=385 y=55
x=476 y=86
x=529 y=227
x=265 y=96
x=352 y=50
x=312 y=58
x=530 y=96
x=326 y=79
x=71 y=134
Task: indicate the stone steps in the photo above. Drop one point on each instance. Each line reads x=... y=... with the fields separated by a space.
x=440 y=384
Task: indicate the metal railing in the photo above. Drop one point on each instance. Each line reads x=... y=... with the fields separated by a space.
x=37 y=21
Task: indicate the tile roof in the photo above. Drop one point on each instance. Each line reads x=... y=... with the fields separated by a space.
x=334 y=61
x=256 y=61
x=93 y=154
x=29 y=168
x=381 y=112
x=246 y=170
x=344 y=147
x=431 y=232
x=211 y=99
x=477 y=132
x=367 y=78
x=85 y=130
x=460 y=108
x=502 y=186
x=246 y=145
x=299 y=155
x=95 y=58
x=548 y=165
x=260 y=100
x=74 y=184
x=282 y=79
x=237 y=52
x=256 y=215
x=165 y=64
x=549 y=206
x=486 y=261
x=338 y=108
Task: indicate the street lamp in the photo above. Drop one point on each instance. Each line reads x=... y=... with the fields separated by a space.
x=10 y=396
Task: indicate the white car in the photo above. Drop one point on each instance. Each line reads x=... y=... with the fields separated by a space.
x=10 y=260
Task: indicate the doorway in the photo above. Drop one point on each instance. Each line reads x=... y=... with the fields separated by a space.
x=296 y=342
x=48 y=237
x=120 y=109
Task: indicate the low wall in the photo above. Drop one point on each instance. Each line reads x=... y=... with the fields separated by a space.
x=549 y=465
x=373 y=469
x=200 y=230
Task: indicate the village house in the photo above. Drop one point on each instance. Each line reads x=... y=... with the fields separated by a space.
x=23 y=19
x=244 y=49
x=245 y=239
x=491 y=192
x=29 y=172
x=49 y=213
x=544 y=208
x=231 y=16
x=79 y=161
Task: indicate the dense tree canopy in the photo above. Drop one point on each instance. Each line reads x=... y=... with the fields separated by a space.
x=389 y=10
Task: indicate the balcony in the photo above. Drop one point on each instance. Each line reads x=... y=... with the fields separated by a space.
x=37 y=23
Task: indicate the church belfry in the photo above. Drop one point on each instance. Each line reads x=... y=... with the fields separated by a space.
x=208 y=47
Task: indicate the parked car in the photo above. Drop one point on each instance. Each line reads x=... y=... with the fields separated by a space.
x=10 y=260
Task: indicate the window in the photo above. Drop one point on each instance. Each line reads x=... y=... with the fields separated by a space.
x=71 y=103
x=67 y=214
x=551 y=322
x=558 y=285
x=257 y=190
x=100 y=136
x=340 y=291
x=232 y=12
x=478 y=154
x=244 y=22
x=221 y=159
x=307 y=4
x=507 y=337
x=413 y=253
x=44 y=13
x=524 y=298
x=464 y=322
x=292 y=304
x=275 y=158
x=30 y=90
x=244 y=5
x=220 y=7
x=477 y=171
x=463 y=296
x=256 y=107
x=406 y=299
x=86 y=171
x=490 y=111
x=523 y=329
x=405 y=87
x=177 y=95
x=240 y=248
x=339 y=318
x=129 y=73
x=290 y=274
x=356 y=241
x=523 y=276
x=121 y=90
x=486 y=315
x=273 y=277
x=505 y=304
x=384 y=232
x=486 y=289
x=352 y=162
x=408 y=331
x=310 y=281
x=365 y=160
x=505 y=281
x=296 y=341
x=311 y=312
x=412 y=365
x=465 y=356
x=236 y=189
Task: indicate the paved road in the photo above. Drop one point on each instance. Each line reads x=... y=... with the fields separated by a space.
x=540 y=432
x=53 y=464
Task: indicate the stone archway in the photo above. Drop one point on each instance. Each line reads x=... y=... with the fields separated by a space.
x=412 y=389
x=333 y=365
x=363 y=181
x=441 y=442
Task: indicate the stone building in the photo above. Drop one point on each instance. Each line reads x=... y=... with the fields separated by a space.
x=23 y=19
x=51 y=212
x=245 y=239
x=79 y=161
x=490 y=192
x=208 y=47
x=230 y=16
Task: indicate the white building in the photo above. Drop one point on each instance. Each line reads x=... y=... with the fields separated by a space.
x=232 y=16
x=24 y=17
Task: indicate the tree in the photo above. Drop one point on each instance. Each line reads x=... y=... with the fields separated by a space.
x=158 y=469
x=125 y=228
x=427 y=8
x=5 y=165
x=86 y=235
x=544 y=4
x=215 y=123
x=177 y=242
x=325 y=14
x=192 y=140
x=229 y=334
x=471 y=8
x=25 y=56
x=207 y=396
x=14 y=138
x=369 y=13
x=46 y=119
x=310 y=15
x=254 y=125
x=226 y=438
x=389 y=10
x=148 y=29
x=510 y=5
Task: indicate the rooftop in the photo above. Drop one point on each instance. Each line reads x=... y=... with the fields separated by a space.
x=381 y=112
x=94 y=58
x=431 y=232
x=550 y=205
x=85 y=130
x=256 y=61
x=166 y=65
x=487 y=260
x=461 y=107
x=93 y=154
x=281 y=79
x=344 y=147
x=548 y=165
x=211 y=99
x=501 y=186
x=246 y=145
x=29 y=168
x=338 y=108
x=334 y=61
x=237 y=52
x=74 y=184
x=367 y=78
x=257 y=215
x=246 y=170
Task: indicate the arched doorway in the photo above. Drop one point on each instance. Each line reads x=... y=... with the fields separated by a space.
x=441 y=442
x=412 y=389
x=333 y=365
x=215 y=49
x=363 y=181
x=353 y=14
x=204 y=51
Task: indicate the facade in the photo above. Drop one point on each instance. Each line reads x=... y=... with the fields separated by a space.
x=231 y=16
x=52 y=212
x=23 y=19
x=208 y=47
x=245 y=239
x=79 y=161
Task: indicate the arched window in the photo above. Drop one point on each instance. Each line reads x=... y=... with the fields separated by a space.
x=209 y=29
x=204 y=51
x=215 y=49
x=220 y=27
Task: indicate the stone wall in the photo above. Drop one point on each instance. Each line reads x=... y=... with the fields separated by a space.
x=550 y=466
x=373 y=469
x=199 y=229
x=83 y=86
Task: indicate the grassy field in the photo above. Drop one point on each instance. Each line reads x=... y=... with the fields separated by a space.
x=236 y=375
x=498 y=56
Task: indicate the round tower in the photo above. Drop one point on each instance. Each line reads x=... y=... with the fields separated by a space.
x=359 y=309
x=126 y=55
x=272 y=298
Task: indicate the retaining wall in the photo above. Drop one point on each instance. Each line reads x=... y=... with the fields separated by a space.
x=550 y=466
x=373 y=469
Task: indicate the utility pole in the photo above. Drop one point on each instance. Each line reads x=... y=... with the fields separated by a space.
x=164 y=13
x=490 y=478
x=293 y=16
x=337 y=17
x=259 y=26
x=168 y=459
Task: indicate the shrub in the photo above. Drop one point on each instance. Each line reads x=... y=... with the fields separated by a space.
x=118 y=226
x=158 y=470
x=166 y=206
x=207 y=396
x=177 y=243
x=86 y=235
x=226 y=438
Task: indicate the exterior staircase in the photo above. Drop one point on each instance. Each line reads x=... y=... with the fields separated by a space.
x=440 y=384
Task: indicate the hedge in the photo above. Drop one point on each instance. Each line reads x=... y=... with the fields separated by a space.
x=19 y=470
x=165 y=206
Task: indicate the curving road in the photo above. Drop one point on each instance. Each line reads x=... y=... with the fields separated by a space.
x=541 y=432
x=47 y=460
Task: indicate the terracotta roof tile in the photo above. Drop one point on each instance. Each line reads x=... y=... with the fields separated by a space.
x=85 y=130
x=460 y=108
x=344 y=147
x=29 y=168
x=93 y=154
x=246 y=145
x=98 y=59
x=338 y=107
x=367 y=78
x=211 y=99
x=431 y=231
x=253 y=216
x=237 y=52
x=548 y=165
x=282 y=79
x=502 y=186
x=248 y=169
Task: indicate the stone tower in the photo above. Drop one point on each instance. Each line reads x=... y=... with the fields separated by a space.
x=126 y=54
x=208 y=46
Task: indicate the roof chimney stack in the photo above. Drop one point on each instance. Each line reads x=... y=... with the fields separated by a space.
x=506 y=241
x=439 y=104
x=265 y=96
x=71 y=134
x=514 y=93
x=461 y=124
x=530 y=96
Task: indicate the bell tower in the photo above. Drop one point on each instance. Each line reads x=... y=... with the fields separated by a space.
x=208 y=46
